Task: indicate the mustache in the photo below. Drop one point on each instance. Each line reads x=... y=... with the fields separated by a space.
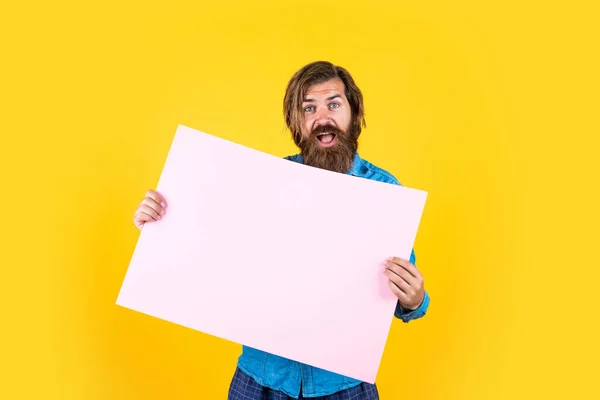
x=328 y=128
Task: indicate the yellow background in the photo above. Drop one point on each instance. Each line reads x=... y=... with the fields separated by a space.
x=490 y=107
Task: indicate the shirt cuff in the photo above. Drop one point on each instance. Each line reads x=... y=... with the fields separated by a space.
x=408 y=315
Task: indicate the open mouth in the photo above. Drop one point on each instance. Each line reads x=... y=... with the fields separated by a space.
x=326 y=139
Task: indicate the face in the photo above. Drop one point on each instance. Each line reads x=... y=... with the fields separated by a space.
x=328 y=141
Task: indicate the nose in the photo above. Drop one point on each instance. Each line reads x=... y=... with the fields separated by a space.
x=323 y=117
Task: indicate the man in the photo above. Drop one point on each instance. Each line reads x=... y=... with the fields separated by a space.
x=323 y=108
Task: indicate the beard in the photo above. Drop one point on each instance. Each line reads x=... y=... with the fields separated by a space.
x=337 y=158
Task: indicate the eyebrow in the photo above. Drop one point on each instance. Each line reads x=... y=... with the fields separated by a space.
x=328 y=99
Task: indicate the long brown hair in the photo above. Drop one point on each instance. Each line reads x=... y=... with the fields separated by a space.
x=314 y=73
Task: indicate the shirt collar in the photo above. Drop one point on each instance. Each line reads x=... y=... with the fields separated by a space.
x=357 y=164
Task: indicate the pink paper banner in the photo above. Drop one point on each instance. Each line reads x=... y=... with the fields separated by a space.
x=273 y=254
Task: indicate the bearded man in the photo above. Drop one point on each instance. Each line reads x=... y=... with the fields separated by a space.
x=324 y=111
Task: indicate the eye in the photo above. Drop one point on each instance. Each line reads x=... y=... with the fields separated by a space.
x=334 y=105
x=309 y=108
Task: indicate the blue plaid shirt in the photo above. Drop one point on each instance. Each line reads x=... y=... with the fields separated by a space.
x=289 y=376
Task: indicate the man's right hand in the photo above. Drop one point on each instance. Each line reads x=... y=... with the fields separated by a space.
x=151 y=209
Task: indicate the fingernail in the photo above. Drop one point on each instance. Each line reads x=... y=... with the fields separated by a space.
x=162 y=212
x=162 y=204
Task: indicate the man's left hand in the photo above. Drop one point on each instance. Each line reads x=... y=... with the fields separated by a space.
x=405 y=281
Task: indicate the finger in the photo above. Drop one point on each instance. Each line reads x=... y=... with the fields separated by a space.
x=146 y=213
x=156 y=197
x=407 y=265
x=402 y=272
x=150 y=202
x=399 y=282
x=397 y=292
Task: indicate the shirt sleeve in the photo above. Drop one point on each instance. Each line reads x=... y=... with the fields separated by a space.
x=409 y=315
